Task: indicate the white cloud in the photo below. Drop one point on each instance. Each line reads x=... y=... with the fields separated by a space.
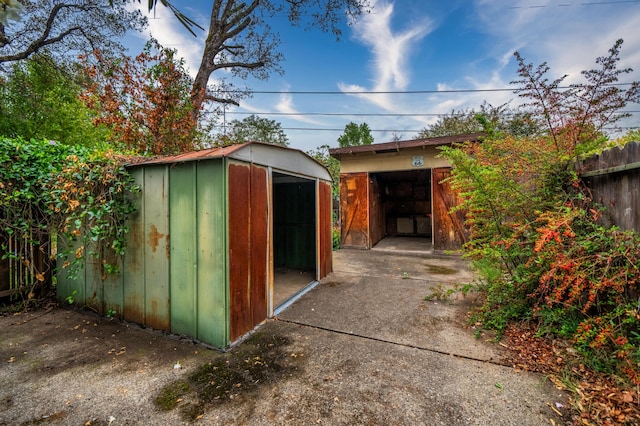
x=285 y=105
x=390 y=52
x=568 y=38
x=170 y=33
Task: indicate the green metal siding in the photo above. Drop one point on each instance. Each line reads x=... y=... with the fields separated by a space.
x=198 y=251
x=156 y=247
x=213 y=281
x=133 y=263
x=65 y=285
x=113 y=289
x=184 y=262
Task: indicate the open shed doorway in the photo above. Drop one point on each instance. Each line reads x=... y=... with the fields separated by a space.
x=294 y=236
x=405 y=210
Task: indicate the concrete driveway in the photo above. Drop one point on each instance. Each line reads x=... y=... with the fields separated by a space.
x=363 y=347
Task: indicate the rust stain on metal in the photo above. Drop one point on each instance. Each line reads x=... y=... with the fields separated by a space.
x=325 y=229
x=259 y=229
x=156 y=318
x=154 y=237
x=168 y=247
x=239 y=249
x=133 y=310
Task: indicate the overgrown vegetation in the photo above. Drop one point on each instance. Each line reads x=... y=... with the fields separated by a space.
x=144 y=101
x=39 y=99
x=78 y=196
x=541 y=254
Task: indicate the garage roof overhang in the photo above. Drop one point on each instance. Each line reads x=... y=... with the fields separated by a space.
x=381 y=148
x=280 y=158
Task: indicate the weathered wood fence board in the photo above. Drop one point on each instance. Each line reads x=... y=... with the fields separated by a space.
x=614 y=180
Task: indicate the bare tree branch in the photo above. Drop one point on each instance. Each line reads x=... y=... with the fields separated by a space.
x=66 y=28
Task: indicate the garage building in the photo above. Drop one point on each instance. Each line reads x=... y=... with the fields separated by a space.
x=397 y=189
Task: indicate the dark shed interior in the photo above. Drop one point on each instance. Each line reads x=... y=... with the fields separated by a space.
x=294 y=230
x=405 y=200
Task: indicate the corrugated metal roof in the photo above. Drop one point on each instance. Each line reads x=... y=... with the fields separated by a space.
x=217 y=152
x=279 y=157
x=397 y=146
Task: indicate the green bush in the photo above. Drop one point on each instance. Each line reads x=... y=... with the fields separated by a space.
x=536 y=240
x=69 y=192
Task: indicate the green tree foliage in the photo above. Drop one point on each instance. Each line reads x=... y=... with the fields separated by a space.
x=254 y=129
x=321 y=155
x=630 y=136
x=355 y=135
x=535 y=238
x=144 y=101
x=39 y=99
x=487 y=119
x=73 y=192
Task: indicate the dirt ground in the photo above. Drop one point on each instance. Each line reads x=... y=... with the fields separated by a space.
x=363 y=347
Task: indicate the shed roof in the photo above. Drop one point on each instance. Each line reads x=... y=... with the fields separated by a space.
x=280 y=158
x=378 y=148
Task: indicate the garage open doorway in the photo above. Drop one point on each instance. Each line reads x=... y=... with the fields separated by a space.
x=404 y=200
x=294 y=236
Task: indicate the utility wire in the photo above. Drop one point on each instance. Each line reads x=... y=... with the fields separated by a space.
x=328 y=129
x=391 y=92
x=370 y=114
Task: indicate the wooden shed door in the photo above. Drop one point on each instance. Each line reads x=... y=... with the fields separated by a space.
x=449 y=232
x=354 y=206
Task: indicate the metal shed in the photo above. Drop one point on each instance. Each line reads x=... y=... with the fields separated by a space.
x=221 y=240
x=398 y=189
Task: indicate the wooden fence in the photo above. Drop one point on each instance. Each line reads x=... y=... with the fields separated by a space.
x=614 y=180
x=27 y=267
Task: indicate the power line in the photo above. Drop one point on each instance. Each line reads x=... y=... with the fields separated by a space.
x=328 y=129
x=390 y=92
x=370 y=114
x=342 y=130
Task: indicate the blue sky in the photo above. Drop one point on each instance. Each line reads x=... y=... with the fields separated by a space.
x=419 y=45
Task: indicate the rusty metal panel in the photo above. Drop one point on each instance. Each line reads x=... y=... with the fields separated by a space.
x=324 y=230
x=183 y=262
x=354 y=202
x=212 y=259
x=156 y=248
x=133 y=262
x=239 y=176
x=259 y=244
x=449 y=231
